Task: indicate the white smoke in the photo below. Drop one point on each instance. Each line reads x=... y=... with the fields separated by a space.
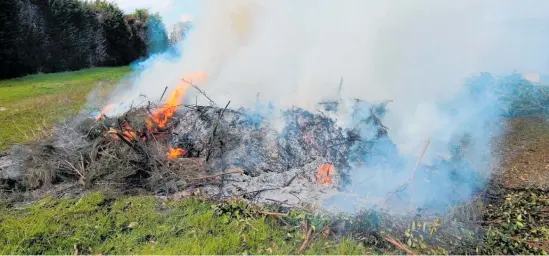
x=293 y=53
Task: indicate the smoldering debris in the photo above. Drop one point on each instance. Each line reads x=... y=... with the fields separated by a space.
x=221 y=152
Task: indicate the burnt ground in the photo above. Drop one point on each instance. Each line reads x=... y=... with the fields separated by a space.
x=524 y=149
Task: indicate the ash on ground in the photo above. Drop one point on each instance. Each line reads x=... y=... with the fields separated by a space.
x=278 y=166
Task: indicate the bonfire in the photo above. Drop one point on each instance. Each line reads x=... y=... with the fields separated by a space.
x=171 y=147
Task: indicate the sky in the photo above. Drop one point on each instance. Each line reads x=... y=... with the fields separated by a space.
x=172 y=11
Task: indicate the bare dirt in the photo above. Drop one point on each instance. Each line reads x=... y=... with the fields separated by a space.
x=524 y=151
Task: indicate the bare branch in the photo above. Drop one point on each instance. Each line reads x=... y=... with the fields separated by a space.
x=200 y=91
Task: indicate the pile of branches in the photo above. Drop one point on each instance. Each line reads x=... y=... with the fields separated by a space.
x=508 y=221
x=121 y=152
x=126 y=152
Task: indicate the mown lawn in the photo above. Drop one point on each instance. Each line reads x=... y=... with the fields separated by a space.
x=97 y=224
x=34 y=101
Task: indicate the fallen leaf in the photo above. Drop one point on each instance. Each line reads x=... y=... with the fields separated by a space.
x=132 y=225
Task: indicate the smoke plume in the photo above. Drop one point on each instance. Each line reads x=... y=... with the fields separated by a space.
x=419 y=54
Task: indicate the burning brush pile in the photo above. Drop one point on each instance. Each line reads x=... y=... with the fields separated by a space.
x=217 y=152
x=221 y=153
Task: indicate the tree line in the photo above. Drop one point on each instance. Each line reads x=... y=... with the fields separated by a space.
x=65 y=35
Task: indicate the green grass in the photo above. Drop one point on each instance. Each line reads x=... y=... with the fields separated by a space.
x=44 y=99
x=144 y=225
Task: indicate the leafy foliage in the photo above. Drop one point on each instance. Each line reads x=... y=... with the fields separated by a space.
x=518 y=225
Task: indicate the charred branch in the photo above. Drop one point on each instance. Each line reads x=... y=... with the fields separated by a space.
x=210 y=146
x=162 y=96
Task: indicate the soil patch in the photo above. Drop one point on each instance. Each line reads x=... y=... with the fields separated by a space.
x=524 y=151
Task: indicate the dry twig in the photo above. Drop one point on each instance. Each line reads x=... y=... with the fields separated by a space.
x=399 y=245
x=82 y=178
x=306 y=242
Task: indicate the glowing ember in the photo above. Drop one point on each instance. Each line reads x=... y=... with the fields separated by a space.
x=325 y=174
x=166 y=112
x=174 y=153
x=104 y=110
x=127 y=132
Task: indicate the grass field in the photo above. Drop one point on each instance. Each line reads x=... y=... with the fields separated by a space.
x=30 y=102
x=96 y=224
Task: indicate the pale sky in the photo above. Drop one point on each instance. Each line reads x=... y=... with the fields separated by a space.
x=171 y=11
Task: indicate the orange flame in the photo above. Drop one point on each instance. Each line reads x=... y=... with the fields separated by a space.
x=166 y=112
x=174 y=153
x=160 y=117
x=325 y=174
x=104 y=110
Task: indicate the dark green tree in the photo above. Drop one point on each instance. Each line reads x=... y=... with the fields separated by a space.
x=62 y=35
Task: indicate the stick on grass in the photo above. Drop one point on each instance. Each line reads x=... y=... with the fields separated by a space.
x=399 y=245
